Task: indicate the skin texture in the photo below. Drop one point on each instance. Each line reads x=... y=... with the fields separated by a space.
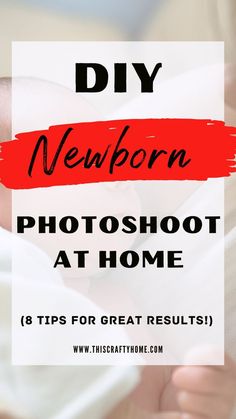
x=206 y=392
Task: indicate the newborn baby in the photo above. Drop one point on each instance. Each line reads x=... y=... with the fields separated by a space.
x=163 y=392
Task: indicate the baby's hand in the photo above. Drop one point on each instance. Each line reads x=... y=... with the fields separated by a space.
x=206 y=392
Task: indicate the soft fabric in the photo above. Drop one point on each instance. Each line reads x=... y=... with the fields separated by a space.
x=87 y=392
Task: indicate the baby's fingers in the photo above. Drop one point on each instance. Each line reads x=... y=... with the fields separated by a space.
x=207 y=406
x=204 y=380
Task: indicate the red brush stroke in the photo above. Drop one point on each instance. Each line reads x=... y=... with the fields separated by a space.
x=210 y=144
